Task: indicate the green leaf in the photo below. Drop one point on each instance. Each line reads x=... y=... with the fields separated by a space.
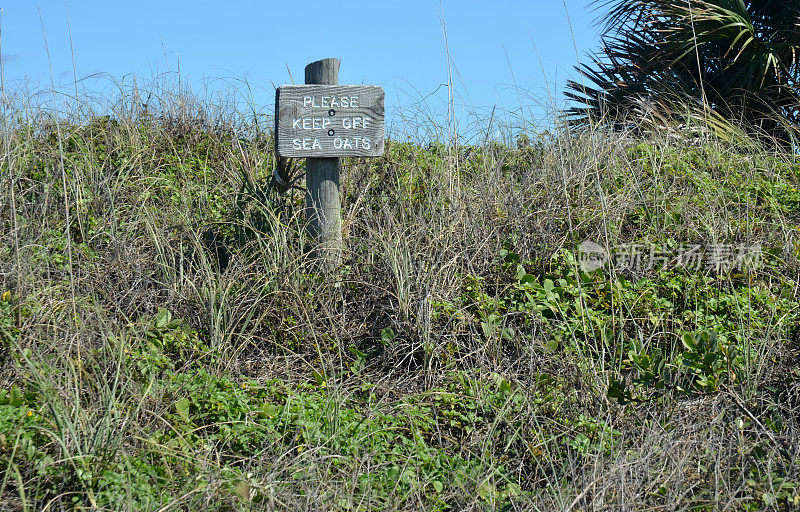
x=182 y=407
x=163 y=318
x=486 y=491
x=689 y=342
x=358 y=353
x=15 y=397
x=617 y=391
x=319 y=378
x=387 y=335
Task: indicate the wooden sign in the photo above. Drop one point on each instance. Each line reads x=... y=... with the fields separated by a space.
x=321 y=121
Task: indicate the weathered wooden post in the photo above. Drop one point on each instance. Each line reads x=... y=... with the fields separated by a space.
x=323 y=204
x=323 y=121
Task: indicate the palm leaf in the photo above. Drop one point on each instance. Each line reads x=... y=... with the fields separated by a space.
x=740 y=57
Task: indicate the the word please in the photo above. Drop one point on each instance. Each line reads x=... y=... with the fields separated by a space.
x=320 y=101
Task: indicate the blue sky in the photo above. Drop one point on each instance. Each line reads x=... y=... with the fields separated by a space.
x=510 y=56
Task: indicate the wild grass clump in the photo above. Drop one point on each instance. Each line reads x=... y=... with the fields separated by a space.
x=167 y=343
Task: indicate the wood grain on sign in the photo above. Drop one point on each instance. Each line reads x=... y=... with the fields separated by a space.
x=320 y=121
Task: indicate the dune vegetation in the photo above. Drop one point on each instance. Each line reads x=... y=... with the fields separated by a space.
x=167 y=344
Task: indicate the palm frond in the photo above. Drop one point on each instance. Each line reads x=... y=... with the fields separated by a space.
x=740 y=58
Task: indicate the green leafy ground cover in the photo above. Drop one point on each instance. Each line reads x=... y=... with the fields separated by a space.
x=167 y=345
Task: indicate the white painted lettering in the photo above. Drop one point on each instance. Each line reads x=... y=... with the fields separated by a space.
x=297 y=144
x=311 y=123
x=353 y=101
x=355 y=122
x=316 y=145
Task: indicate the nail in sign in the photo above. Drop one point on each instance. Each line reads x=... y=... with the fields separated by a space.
x=319 y=121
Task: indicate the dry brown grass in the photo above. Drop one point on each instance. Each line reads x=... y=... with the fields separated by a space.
x=146 y=211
